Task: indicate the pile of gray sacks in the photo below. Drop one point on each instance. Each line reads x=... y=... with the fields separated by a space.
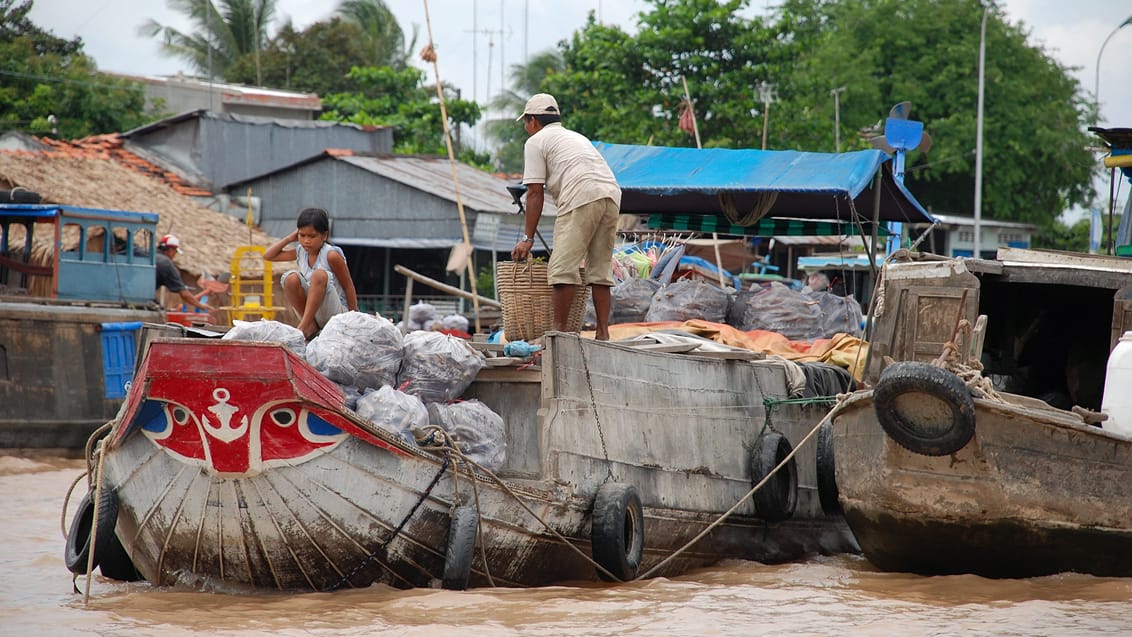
x=798 y=315
x=400 y=383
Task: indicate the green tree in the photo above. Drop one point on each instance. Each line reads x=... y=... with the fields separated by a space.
x=223 y=32
x=314 y=60
x=508 y=134
x=399 y=98
x=926 y=51
x=49 y=87
x=627 y=89
x=1058 y=236
x=383 y=38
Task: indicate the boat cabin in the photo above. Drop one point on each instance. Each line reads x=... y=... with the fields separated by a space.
x=95 y=255
x=1042 y=322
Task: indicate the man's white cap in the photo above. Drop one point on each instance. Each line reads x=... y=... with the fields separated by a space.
x=540 y=104
x=170 y=241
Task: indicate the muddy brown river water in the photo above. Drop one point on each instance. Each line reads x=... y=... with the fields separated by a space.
x=841 y=595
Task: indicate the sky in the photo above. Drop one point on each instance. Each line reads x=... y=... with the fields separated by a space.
x=478 y=40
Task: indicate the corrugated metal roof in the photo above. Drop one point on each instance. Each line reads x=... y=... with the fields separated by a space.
x=479 y=190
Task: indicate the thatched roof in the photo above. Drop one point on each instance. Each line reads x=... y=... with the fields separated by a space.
x=79 y=175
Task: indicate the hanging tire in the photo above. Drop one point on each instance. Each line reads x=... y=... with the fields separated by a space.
x=827 y=471
x=115 y=563
x=462 y=528
x=925 y=409
x=77 y=552
x=778 y=498
x=618 y=532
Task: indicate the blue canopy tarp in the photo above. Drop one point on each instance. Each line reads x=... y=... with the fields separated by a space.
x=731 y=182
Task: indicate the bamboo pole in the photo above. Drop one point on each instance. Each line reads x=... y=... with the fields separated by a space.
x=696 y=130
x=452 y=162
x=443 y=287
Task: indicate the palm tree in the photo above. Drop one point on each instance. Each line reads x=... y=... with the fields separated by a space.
x=526 y=80
x=222 y=32
x=384 y=37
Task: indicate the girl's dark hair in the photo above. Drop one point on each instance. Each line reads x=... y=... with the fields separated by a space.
x=314 y=217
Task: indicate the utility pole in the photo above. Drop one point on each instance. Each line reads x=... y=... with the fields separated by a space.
x=766 y=96
x=837 y=117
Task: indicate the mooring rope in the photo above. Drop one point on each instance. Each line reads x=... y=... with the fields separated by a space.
x=745 y=497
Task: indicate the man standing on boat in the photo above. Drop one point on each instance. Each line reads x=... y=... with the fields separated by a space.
x=588 y=198
x=168 y=274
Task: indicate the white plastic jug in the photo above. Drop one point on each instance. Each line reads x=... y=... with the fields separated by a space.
x=1117 y=400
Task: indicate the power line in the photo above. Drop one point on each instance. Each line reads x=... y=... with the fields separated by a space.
x=64 y=80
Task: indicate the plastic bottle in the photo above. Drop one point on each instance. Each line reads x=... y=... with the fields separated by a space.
x=1117 y=400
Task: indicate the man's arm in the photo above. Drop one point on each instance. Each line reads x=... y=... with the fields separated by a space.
x=188 y=297
x=535 y=198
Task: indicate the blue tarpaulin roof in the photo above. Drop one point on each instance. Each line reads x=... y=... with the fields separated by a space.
x=787 y=183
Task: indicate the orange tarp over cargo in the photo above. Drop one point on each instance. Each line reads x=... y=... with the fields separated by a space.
x=841 y=350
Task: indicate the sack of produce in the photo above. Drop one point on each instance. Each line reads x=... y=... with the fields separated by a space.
x=269 y=332
x=476 y=429
x=631 y=300
x=839 y=315
x=357 y=350
x=689 y=299
x=437 y=367
x=776 y=308
x=394 y=411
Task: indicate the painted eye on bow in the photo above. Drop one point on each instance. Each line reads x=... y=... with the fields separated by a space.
x=180 y=415
x=284 y=416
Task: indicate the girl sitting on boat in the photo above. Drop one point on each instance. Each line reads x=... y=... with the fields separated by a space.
x=322 y=286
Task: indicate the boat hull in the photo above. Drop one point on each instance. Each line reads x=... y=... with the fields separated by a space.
x=321 y=499
x=1034 y=492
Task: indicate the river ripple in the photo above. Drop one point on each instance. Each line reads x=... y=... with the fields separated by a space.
x=842 y=595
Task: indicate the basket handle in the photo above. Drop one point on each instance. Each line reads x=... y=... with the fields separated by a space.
x=528 y=268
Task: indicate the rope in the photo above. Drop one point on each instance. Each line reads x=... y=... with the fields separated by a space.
x=743 y=499
x=67 y=501
x=94 y=524
x=372 y=556
x=506 y=489
x=88 y=449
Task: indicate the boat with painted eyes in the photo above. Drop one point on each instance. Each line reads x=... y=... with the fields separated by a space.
x=236 y=465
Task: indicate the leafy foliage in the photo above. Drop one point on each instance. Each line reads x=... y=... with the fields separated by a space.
x=222 y=33
x=398 y=98
x=50 y=87
x=627 y=89
x=383 y=40
x=315 y=60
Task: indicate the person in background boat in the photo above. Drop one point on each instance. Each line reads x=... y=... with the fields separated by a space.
x=817 y=282
x=322 y=286
x=169 y=276
x=587 y=196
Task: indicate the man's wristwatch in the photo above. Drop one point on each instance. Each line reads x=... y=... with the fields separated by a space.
x=526 y=239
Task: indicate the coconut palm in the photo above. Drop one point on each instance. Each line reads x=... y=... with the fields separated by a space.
x=385 y=40
x=223 y=31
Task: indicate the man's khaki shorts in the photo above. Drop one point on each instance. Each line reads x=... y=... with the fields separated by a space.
x=584 y=236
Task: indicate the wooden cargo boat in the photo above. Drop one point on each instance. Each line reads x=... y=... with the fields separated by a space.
x=237 y=464
x=942 y=475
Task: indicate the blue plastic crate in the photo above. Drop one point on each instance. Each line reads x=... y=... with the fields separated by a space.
x=119 y=343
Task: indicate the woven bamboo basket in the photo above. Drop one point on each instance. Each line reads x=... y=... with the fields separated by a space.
x=528 y=300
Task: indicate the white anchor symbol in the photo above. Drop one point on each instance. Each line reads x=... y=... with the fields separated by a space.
x=223 y=411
